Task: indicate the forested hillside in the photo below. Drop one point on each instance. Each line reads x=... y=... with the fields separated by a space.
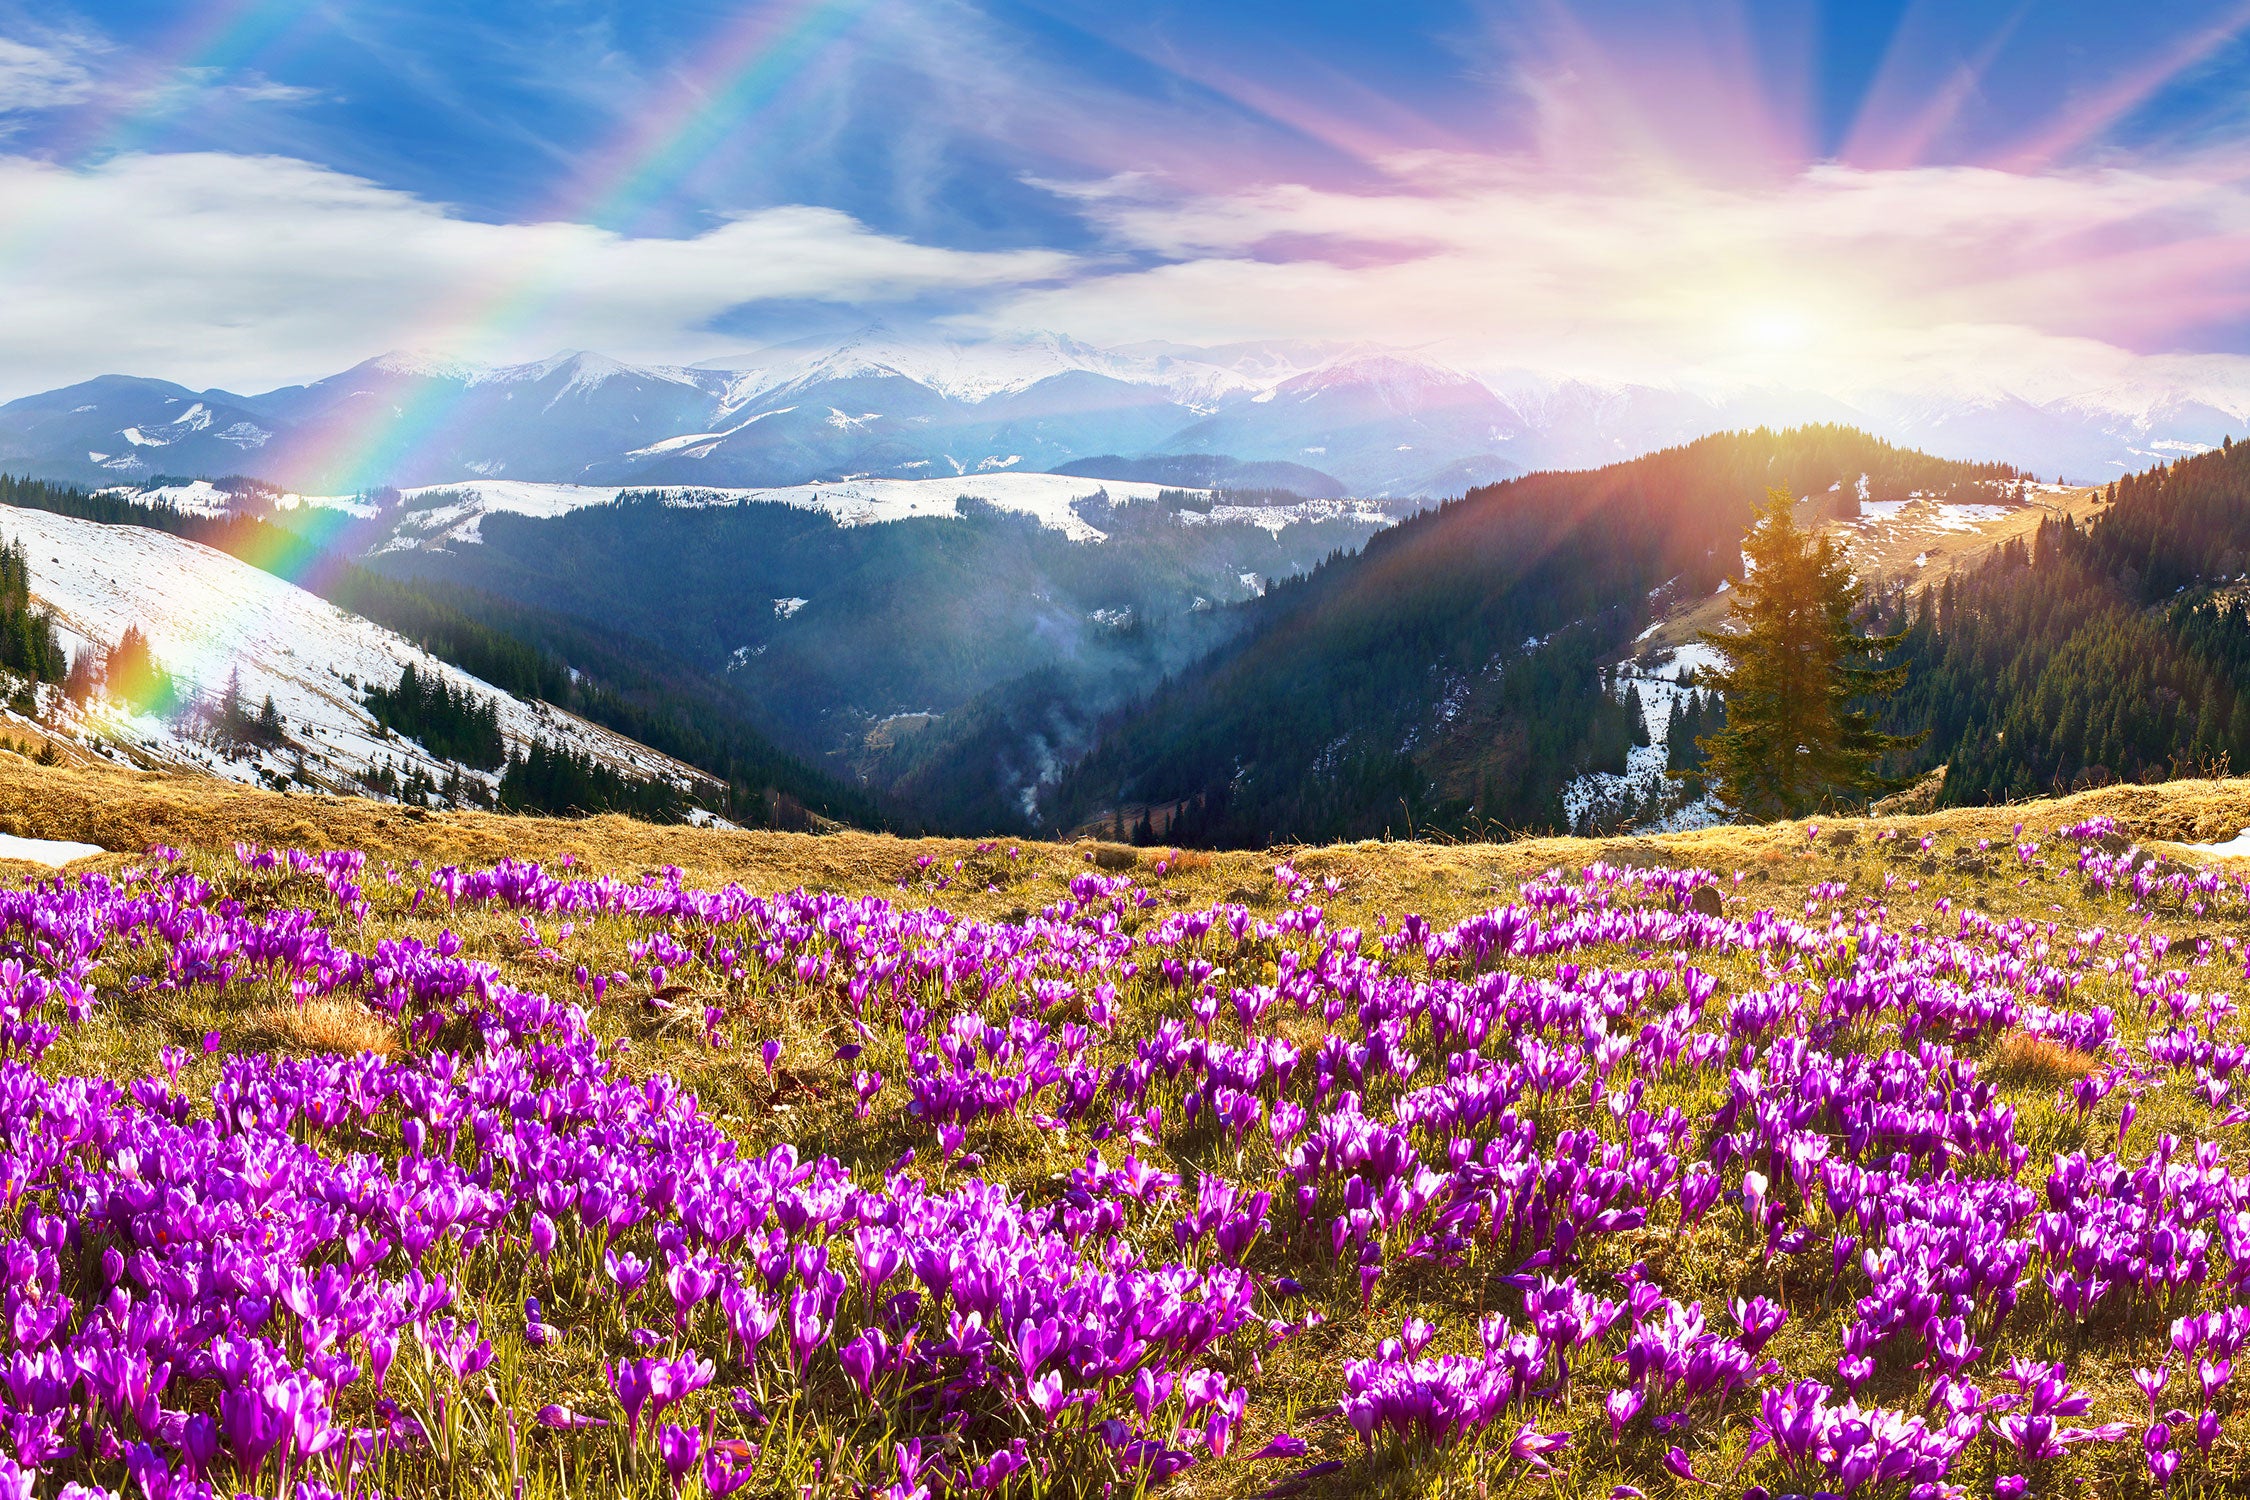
x=2116 y=651
x=1448 y=676
x=627 y=686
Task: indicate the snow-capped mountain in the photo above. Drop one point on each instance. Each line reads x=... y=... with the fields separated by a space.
x=209 y=617
x=1360 y=419
x=119 y=427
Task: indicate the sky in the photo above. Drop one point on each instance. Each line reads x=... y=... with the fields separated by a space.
x=2033 y=196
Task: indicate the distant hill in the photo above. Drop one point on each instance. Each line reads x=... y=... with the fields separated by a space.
x=104 y=564
x=1210 y=471
x=2117 y=650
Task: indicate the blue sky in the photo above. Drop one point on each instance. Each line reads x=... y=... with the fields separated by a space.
x=274 y=188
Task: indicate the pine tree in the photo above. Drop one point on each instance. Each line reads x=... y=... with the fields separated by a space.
x=1793 y=742
x=79 y=686
x=135 y=678
x=234 y=720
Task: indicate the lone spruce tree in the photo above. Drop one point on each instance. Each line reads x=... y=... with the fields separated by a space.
x=1796 y=665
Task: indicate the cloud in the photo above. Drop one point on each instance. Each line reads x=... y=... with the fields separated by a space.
x=216 y=269
x=1825 y=275
x=244 y=271
x=35 y=78
x=191 y=85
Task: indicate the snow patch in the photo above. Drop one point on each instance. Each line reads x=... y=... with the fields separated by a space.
x=53 y=853
x=2237 y=847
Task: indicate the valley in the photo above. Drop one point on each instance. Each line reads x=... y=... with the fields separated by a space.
x=1023 y=652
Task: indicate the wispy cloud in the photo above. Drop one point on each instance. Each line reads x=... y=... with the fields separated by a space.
x=39 y=77
x=1617 y=188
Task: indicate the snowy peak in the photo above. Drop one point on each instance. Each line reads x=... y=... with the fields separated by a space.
x=959 y=371
x=417 y=365
x=1402 y=381
x=887 y=403
x=581 y=370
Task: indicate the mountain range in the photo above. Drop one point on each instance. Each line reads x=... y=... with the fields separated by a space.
x=1314 y=419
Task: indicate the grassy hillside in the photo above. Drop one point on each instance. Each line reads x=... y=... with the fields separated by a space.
x=1884 y=1029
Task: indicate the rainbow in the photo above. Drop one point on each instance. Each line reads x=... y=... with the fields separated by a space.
x=740 y=72
x=217 y=38
x=743 y=69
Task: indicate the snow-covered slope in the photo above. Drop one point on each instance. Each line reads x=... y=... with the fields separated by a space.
x=451 y=514
x=208 y=615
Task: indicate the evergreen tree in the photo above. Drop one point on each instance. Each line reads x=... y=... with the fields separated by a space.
x=1793 y=741
x=28 y=643
x=135 y=678
x=1697 y=716
x=234 y=722
x=79 y=685
x=458 y=724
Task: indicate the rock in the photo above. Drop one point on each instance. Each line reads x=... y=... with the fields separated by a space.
x=1115 y=856
x=1705 y=901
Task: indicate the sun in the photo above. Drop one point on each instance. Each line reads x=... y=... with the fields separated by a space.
x=1776 y=330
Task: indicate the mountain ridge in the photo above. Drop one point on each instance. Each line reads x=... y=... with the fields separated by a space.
x=1382 y=422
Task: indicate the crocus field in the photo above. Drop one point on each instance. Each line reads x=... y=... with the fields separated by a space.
x=326 y=1176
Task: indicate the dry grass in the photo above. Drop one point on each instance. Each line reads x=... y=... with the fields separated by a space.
x=324 y=1023
x=129 y=811
x=2035 y=1062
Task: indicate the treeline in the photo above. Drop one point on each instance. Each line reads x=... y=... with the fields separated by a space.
x=622 y=686
x=555 y=779
x=2118 y=651
x=452 y=724
x=2185 y=523
x=28 y=642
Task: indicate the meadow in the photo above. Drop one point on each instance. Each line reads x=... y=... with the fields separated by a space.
x=354 y=1152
